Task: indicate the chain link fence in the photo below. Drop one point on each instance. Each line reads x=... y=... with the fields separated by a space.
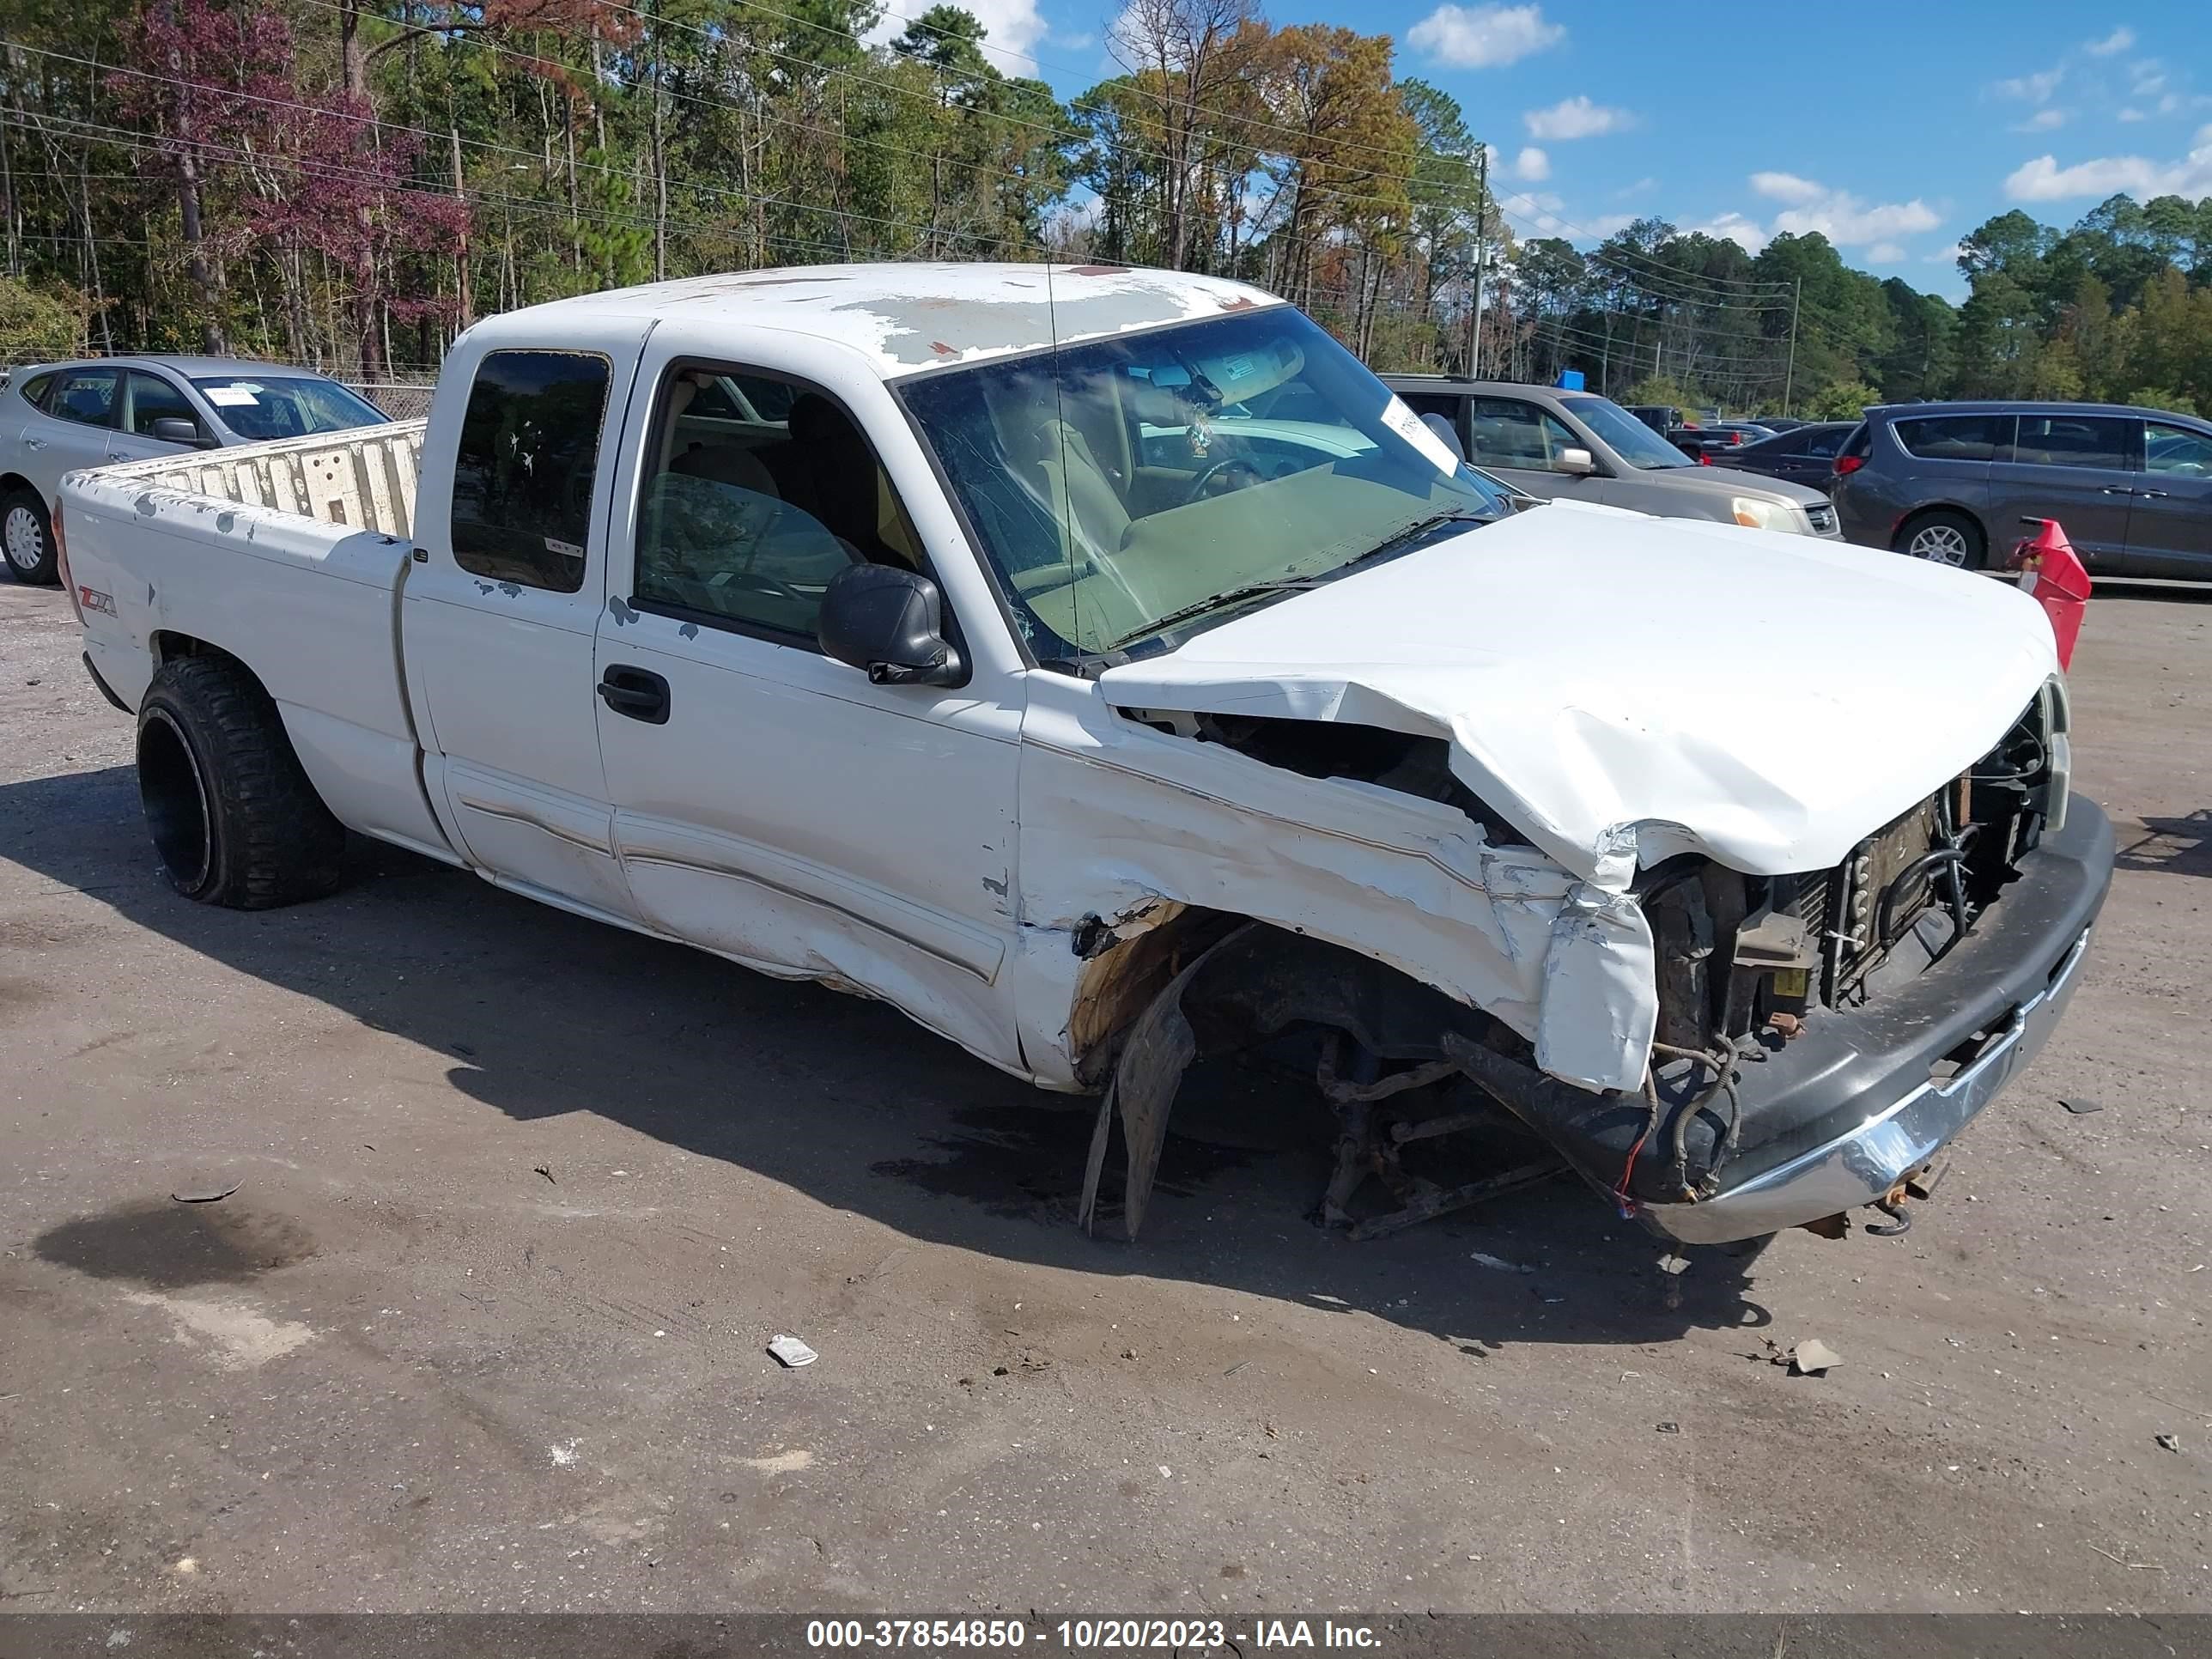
x=402 y=401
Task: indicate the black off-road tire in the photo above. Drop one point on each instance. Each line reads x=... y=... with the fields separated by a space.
x=28 y=531
x=232 y=813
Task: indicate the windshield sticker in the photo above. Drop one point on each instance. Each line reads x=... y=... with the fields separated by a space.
x=565 y=550
x=1408 y=426
x=232 y=397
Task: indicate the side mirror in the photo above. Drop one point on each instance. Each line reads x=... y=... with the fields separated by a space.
x=1444 y=430
x=175 y=429
x=1578 y=461
x=889 y=622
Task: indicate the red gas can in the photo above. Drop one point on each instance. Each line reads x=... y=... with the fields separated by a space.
x=2054 y=579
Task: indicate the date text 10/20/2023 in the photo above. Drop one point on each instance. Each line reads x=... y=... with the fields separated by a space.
x=1188 y=1636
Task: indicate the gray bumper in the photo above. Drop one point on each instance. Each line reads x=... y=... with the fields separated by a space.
x=1845 y=1113
x=1867 y=1162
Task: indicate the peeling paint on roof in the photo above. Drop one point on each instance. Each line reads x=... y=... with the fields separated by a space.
x=910 y=316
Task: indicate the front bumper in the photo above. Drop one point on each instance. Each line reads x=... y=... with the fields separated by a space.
x=1843 y=1114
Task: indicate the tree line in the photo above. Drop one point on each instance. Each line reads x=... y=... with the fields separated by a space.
x=347 y=183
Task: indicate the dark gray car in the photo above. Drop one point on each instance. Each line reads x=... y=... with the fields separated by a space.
x=1557 y=444
x=1952 y=482
x=1804 y=454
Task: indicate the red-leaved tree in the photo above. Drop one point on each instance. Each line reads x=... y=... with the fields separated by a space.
x=308 y=174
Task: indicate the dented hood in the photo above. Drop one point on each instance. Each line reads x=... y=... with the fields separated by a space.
x=1622 y=688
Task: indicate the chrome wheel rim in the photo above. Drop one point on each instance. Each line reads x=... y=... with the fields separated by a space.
x=26 y=542
x=1938 y=543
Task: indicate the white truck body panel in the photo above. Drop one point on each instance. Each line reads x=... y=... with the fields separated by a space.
x=943 y=848
x=1540 y=681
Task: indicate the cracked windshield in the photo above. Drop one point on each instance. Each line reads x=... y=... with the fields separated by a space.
x=1127 y=487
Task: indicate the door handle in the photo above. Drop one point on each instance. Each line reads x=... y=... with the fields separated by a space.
x=636 y=692
x=34 y=443
x=2154 y=494
x=2118 y=490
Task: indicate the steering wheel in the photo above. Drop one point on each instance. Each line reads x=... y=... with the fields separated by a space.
x=1230 y=468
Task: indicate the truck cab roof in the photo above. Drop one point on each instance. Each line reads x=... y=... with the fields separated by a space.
x=910 y=318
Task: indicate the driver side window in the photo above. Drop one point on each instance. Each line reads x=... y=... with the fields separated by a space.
x=759 y=491
x=1506 y=432
x=2177 y=450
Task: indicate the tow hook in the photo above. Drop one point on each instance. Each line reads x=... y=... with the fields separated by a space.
x=1921 y=1184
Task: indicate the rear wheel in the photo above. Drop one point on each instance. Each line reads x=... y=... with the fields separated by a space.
x=232 y=813
x=1943 y=538
x=27 y=535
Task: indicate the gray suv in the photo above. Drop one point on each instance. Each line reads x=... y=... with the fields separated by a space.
x=1952 y=482
x=1561 y=444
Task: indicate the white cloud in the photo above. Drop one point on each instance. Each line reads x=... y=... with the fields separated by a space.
x=1732 y=226
x=1484 y=37
x=1606 y=223
x=1576 y=118
x=1532 y=164
x=1948 y=256
x=1641 y=187
x=1787 y=187
x=2034 y=89
x=2119 y=40
x=2133 y=115
x=2044 y=120
x=2044 y=180
x=1846 y=220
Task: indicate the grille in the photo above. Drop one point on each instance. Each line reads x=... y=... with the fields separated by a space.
x=1823 y=516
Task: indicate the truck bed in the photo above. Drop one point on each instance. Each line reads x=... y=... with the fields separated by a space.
x=363 y=479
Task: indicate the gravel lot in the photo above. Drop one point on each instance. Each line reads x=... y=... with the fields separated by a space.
x=521 y=1200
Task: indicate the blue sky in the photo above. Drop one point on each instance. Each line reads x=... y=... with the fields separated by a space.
x=1893 y=130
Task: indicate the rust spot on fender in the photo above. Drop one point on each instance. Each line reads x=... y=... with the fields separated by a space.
x=1241 y=302
x=942 y=349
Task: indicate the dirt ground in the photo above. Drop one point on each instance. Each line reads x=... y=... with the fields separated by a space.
x=521 y=1199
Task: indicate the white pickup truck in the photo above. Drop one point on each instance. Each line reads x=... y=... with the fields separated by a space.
x=1103 y=668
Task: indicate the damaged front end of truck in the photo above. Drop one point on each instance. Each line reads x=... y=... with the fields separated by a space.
x=1719 y=1054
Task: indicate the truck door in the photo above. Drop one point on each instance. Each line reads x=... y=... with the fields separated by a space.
x=501 y=606
x=771 y=804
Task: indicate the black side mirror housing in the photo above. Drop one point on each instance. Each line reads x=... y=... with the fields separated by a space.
x=889 y=622
x=1450 y=433
x=175 y=429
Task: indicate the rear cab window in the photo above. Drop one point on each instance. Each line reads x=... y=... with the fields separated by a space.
x=1955 y=437
x=526 y=467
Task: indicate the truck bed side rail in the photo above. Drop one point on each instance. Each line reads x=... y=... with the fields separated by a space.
x=364 y=478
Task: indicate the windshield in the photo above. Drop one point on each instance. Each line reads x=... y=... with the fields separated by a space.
x=1118 y=486
x=259 y=406
x=1630 y=439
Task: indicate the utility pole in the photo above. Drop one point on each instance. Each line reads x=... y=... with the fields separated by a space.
x=467 y=310
x=1481 y=259
x=1790 y=375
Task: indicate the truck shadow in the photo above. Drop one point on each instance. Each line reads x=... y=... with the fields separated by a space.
x=544 y=1014
x=2182 y=846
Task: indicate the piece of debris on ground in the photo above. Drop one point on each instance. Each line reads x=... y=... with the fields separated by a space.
x=792 y=1351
